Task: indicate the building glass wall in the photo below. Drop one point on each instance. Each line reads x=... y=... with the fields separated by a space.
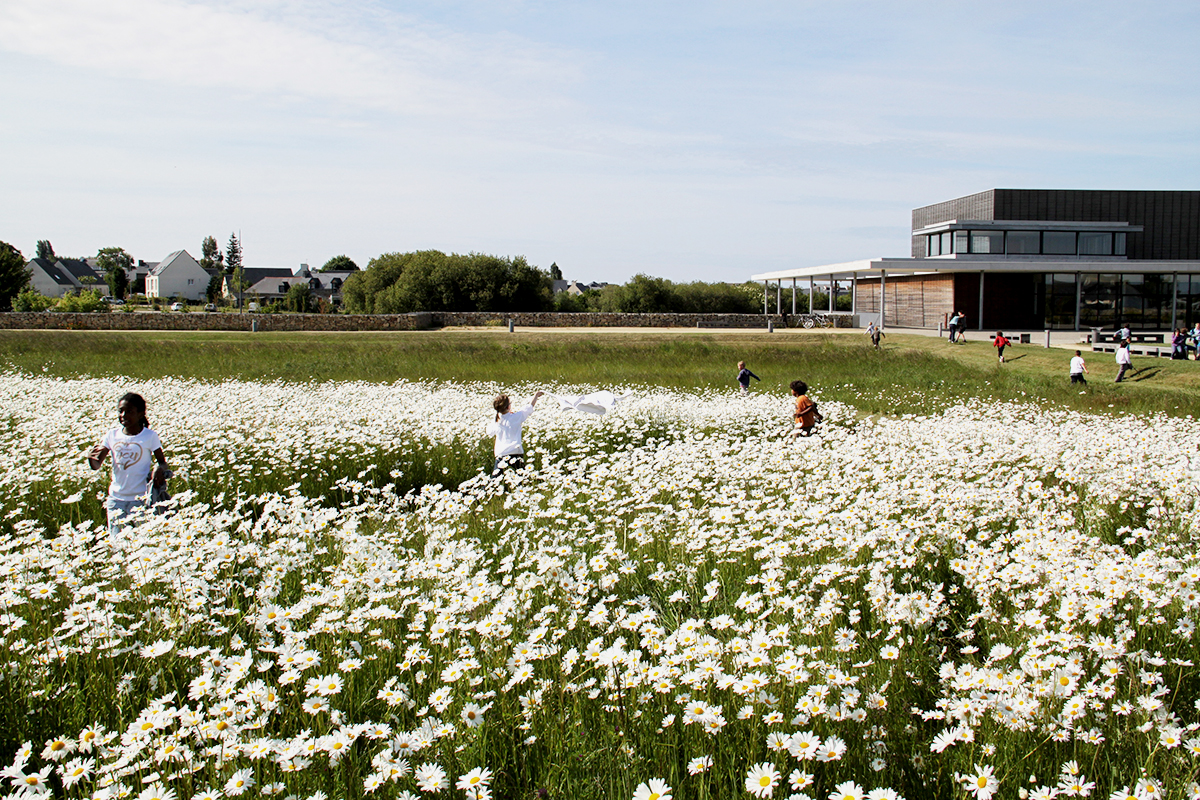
x=1141 y=301
x=1026 y=243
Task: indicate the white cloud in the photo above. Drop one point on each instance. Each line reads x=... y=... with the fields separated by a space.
x=357 y=56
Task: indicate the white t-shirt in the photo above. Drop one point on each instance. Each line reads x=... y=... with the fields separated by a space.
x=132 y=462
x=1076 y=365
x=507 y=431
x=1123 y=356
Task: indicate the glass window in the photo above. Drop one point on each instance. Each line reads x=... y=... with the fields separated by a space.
x=1095 y=244
x=962 y=242
x=947 y=243
x=989 y=242
x=1058 y=243
x=1133 y=307
x=1024 y=242
x=933 y=245
x=1100 y=301
x=1060 y=300
x=1119 y=244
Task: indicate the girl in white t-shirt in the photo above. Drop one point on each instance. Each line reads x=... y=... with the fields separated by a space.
x=137 y=460
x=509 y=450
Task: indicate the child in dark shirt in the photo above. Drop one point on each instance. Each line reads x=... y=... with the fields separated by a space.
x=744 y=376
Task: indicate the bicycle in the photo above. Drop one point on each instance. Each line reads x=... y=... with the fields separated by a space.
x=818 y=321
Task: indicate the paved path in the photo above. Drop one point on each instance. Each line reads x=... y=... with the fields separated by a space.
x=1071 y=340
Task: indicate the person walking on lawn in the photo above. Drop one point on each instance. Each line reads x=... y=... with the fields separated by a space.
x=1124 y=361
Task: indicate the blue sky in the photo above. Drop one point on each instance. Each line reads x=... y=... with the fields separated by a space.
x=694 y=141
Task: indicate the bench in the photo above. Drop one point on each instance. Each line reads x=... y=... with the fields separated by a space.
x=1135 y=350
x=724 y=323
x=1134 y=338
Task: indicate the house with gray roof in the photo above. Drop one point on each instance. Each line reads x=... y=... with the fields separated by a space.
x=64 y=276
x=178 y=275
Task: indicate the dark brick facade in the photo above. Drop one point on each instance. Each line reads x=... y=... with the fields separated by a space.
x=1171 y=219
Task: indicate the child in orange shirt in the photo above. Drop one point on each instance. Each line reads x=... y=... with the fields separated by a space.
x=806 y=415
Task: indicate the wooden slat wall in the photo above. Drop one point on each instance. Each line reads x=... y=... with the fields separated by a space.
x=913 y=301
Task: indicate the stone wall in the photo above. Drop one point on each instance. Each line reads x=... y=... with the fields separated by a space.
x=422 y=320
x=199 y=321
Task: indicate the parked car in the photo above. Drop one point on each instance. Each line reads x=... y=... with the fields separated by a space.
x=210 y=307
x=177 y=307
x=113 y=301
x=252 y=307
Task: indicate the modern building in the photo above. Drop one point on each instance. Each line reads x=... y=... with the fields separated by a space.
x=1032 y=259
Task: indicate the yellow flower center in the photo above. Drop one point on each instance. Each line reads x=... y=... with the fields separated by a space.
x=764 y=781
x=981 y=781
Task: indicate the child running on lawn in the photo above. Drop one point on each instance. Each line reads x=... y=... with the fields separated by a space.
x=1000 y=343
x=744 y=376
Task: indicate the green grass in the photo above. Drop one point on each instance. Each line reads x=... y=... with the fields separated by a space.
x=929 y=373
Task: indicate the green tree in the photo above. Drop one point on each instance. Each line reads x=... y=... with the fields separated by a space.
x=430 y=280
x=213 y=291
x=233 y=254
x=114 y=262
x=555 y=272
x=13 y=275
x=31 y=300
x=298 y=298
x=210 y=254
x=342 y=263
x=45 y=251
x=82 y=303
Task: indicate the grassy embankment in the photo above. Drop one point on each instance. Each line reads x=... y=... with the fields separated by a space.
x=912 y=374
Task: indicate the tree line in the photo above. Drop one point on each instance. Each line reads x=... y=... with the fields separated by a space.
x=430 y=280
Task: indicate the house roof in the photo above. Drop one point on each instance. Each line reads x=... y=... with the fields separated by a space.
x=52 y=271
x=166 y=262
x=78 y=268
x=270 y=285
x=253 y=275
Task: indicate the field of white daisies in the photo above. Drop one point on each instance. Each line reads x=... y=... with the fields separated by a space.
x=674 y=600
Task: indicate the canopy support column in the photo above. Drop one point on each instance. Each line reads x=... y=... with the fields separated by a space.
x=1174 y=304
x=980 y=301
x=1079 y=296
x=779 y=296
x=766 y=297
x=882 y=297
x=810 y=294
x=793 y=297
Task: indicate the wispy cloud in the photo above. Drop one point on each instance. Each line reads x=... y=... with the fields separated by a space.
x=370 y=58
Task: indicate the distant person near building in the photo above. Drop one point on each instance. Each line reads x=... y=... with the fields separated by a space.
x=1000 y=343
x=875 y=332
x=1123 y=333
x=1078 y=368
x=1124 y=361
x=953 y=325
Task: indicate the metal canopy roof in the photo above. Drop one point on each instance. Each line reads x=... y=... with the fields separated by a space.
x=874 y=267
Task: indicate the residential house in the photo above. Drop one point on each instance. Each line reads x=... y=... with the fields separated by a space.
x=65 y=276
x=322 y=284
x=178 y=275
